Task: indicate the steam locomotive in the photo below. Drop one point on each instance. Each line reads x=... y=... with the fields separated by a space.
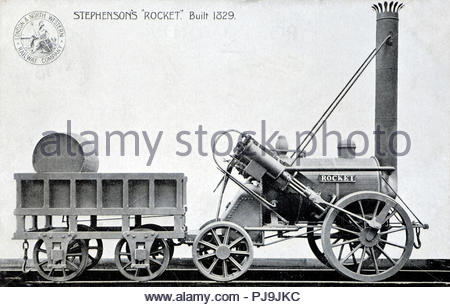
x=346 y=207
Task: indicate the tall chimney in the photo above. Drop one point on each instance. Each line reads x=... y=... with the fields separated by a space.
x=386 y=86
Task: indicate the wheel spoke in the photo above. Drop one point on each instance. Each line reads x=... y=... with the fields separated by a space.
x=363 y=254
x=210 y=245
x=375 y=263
x=354 y=222
x=351 y=252
x=345 y=230
x=211 y=267
x=226 y=236
x=127 y=265
x=362 y=210
x=155 y=261
x=235 y=242
x=386 y=255
x=124 y=254
x=376 y=209
x=354 y=259
x=72 y=265
x=224 y=268
x=396 y=217
x=216 y=237
x=393 y=244
x=345 y=242
x=389 y=216
x=158 y=251
x=240 y=252
x=42 y=263
x=42 y=250
x=340 y=252
x=392 y=230
x=236 y=264
x=206 y=256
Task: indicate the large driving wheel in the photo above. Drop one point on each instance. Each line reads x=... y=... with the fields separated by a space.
x=76 y=261
x=360 y=251
x=222 y=251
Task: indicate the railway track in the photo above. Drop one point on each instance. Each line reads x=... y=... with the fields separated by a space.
x=264 y=272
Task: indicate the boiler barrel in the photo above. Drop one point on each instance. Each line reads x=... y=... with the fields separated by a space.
x=59 y=152
x=331 y=181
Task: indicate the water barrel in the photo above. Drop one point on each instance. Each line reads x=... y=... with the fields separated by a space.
x=59 y=152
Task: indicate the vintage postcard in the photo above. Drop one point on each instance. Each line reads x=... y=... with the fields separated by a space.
x=203 y=152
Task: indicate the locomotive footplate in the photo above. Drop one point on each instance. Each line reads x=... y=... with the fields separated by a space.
x=140 y=244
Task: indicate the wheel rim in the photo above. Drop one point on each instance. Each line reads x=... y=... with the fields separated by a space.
x=158 y=261
x=314 y=241
x=95 y=247
x=95 y=252
x=361 y=252
x=76 y=261
x=222 y=251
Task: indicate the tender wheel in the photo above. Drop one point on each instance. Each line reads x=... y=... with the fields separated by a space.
x=95 y=248
x=362 y=252
x=313 y=236
x=158 y=261
x=160 y=228
x=222 y=251
x=76 y=261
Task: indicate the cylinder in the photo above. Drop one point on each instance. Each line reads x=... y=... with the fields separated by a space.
x=386 y=86
x=272 y=164
x=59 y=152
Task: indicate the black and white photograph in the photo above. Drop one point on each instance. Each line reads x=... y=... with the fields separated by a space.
x=213 y=152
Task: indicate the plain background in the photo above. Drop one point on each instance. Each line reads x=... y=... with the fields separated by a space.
x=279 y=61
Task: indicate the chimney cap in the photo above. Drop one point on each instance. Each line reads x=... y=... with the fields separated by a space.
x=388 y=7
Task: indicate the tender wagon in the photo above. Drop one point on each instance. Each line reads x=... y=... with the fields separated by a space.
x=63 y=252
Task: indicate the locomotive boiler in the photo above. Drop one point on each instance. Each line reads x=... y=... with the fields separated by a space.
x=346 y=207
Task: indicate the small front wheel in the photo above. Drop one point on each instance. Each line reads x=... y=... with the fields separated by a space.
x=222 y=251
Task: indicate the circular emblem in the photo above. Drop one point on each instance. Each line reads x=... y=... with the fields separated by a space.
x=39 y=37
